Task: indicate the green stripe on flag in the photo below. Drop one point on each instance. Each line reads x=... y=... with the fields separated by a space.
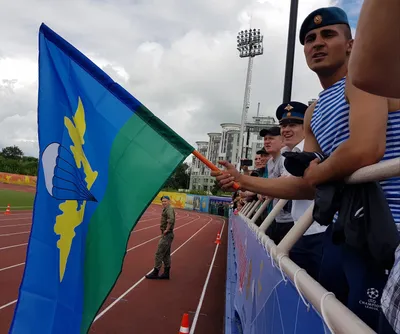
x=144 y=154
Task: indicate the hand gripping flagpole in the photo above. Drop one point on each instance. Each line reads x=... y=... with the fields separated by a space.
x=210 y=165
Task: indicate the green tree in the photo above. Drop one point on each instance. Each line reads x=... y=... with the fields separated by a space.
x=29 y=159
x=12 y=160
x=12 y=152
x=180 y=178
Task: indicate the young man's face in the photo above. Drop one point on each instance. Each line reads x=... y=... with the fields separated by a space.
x=260 y=160
x=326 y=49
x=164 y=202
x=292 y=134
x=273 y=144
x=264 y=160
x=257 y=161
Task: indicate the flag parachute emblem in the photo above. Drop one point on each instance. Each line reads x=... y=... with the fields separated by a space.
x=64 y=181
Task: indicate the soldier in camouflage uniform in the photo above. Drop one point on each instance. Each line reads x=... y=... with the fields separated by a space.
x=163 y=254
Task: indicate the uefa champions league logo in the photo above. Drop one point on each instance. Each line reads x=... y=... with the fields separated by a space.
x=373 y=302
x=373 y=293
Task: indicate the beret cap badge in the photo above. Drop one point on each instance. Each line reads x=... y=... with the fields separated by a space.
x=318 y=19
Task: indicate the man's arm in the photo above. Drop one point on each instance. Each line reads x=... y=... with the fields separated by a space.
x=374 y=62
x=286 y=187
x=247 y=194
x=310 y=142
x=170 y=219
x=366 y=143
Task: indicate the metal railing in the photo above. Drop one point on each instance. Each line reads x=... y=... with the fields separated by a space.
x=337 y=317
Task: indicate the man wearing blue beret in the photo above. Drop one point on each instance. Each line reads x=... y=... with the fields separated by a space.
x=346 y=123
x=163 y=254
x=332 y=17
x=351 y=127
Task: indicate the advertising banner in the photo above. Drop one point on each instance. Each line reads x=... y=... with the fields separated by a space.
x=265 y=301
x=189 y=202
x=18 y=179
x=219 y=205
x=177 y=199
x=200 y=203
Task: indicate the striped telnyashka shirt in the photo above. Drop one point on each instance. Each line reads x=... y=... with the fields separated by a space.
x=330 y=125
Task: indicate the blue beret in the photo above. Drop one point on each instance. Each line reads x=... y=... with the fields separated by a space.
x=166 y=197
x=292 y=112
x=322 y=17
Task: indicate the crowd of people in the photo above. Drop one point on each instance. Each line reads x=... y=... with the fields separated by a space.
x=352 y=247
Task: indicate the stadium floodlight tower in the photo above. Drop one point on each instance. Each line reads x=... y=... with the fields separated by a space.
x=249 y=45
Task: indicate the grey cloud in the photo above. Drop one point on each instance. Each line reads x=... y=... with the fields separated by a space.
x=21 y=131
x=14 y=101
x=180 y=57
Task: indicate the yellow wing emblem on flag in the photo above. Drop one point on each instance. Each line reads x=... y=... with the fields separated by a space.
x=69 y=177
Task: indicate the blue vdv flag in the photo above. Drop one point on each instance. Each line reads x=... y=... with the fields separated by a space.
x=75 y=131
x=103 y=157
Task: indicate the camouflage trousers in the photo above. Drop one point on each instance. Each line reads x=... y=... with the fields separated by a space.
x=163 y=254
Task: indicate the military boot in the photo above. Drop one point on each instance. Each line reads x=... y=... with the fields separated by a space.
x=153 y=274
x=165 y=274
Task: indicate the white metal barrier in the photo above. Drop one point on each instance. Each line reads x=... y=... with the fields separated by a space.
x=336 y=316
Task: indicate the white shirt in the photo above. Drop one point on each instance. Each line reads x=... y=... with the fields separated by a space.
x=275 y=170
x=299 y=207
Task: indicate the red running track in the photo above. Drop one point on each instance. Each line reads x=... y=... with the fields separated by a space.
x=137 y=305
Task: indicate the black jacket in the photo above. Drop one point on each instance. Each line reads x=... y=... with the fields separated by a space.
x=364 y=220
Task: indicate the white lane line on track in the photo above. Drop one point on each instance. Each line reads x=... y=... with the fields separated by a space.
x=10 y=234
x=134 y=247
x=14 y=225
x=158 y=236
x=147 y=219
x=13 y=246
x=29 y=216
x=151 y=226
x=198 y=217
x=109 y=307
x=14 y=266
x=8 y=304
x=203 y=293
x=145 y=228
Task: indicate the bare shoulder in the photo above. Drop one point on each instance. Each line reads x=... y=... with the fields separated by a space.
x=309 y=113
x=310 y=142
x=308 y=116
x=394 y=105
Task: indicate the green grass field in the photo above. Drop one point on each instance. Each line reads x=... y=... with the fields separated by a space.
x=18 y=200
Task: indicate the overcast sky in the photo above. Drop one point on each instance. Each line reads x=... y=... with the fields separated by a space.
x=178 y=57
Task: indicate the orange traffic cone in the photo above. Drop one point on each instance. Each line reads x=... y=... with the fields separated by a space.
x=218 y=240
x=184 y=324
x=8 y=211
